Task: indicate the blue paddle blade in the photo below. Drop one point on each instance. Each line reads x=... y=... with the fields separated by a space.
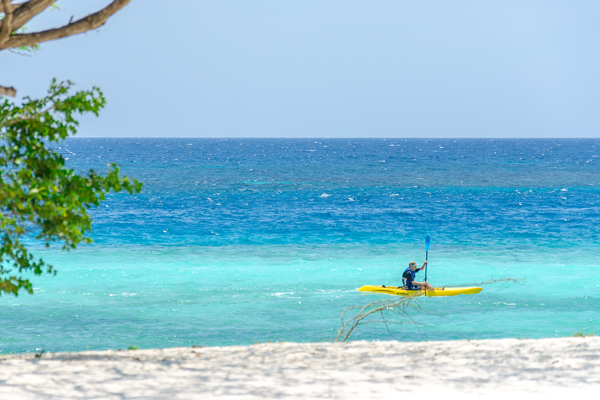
x=427 y=243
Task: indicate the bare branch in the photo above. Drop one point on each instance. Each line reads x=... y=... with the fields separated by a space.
x=25 y=11
x=7 y=91
x=12 y=7
x=399 y=306
x=6 y=22
x=487 y=282
x=88 y=23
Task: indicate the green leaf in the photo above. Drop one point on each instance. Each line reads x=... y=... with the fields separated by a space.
x=39 y=197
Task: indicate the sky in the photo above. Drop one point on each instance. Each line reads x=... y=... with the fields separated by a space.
x=329 y=68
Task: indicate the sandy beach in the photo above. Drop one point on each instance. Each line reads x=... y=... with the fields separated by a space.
x=548 y=368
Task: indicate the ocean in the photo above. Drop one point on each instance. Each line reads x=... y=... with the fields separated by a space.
x=239 y=241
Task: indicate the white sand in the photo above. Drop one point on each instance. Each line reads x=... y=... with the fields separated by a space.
x=546 y=368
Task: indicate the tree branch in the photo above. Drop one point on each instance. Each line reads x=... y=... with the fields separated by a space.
x=12 y=7
x=7 y=91
x=23 y=12
x=6 y=22
x=88 y=23
x=26 y=116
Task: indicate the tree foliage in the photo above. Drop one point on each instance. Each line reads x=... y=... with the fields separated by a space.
x=40 y=198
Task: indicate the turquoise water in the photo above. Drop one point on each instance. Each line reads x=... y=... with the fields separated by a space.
x=238 y=241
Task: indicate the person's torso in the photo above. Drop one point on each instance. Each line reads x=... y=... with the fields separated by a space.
x=408 y=276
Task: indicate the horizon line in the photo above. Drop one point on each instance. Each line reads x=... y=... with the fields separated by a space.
x=325 y=138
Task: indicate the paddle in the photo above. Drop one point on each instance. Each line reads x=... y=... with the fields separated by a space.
x=427 y=243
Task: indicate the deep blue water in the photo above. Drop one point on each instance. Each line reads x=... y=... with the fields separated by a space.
x=234 y=241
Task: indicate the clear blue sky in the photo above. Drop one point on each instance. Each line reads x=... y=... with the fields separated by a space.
x=330 y=68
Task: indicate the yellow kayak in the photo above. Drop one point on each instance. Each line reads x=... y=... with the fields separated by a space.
x=436 y=292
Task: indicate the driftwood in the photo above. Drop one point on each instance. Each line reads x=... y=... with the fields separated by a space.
x=487 y=282
x=398 y=306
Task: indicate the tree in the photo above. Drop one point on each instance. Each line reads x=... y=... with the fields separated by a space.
x=17 y=15
x=40 y=197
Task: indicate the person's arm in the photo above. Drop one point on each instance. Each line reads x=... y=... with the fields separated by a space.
x=423 y=284
x=423 y=267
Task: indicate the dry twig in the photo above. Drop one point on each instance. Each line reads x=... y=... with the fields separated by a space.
x=487 y=282
x=398 y=306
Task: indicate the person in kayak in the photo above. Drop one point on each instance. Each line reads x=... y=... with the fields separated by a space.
x=408 y=277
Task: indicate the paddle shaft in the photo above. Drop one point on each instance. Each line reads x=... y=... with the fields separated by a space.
x=426 y=254
x=427 y=244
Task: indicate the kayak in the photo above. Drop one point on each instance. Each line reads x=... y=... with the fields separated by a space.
x=436 y=292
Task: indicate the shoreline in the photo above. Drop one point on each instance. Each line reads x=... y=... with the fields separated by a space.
x=360 y=370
